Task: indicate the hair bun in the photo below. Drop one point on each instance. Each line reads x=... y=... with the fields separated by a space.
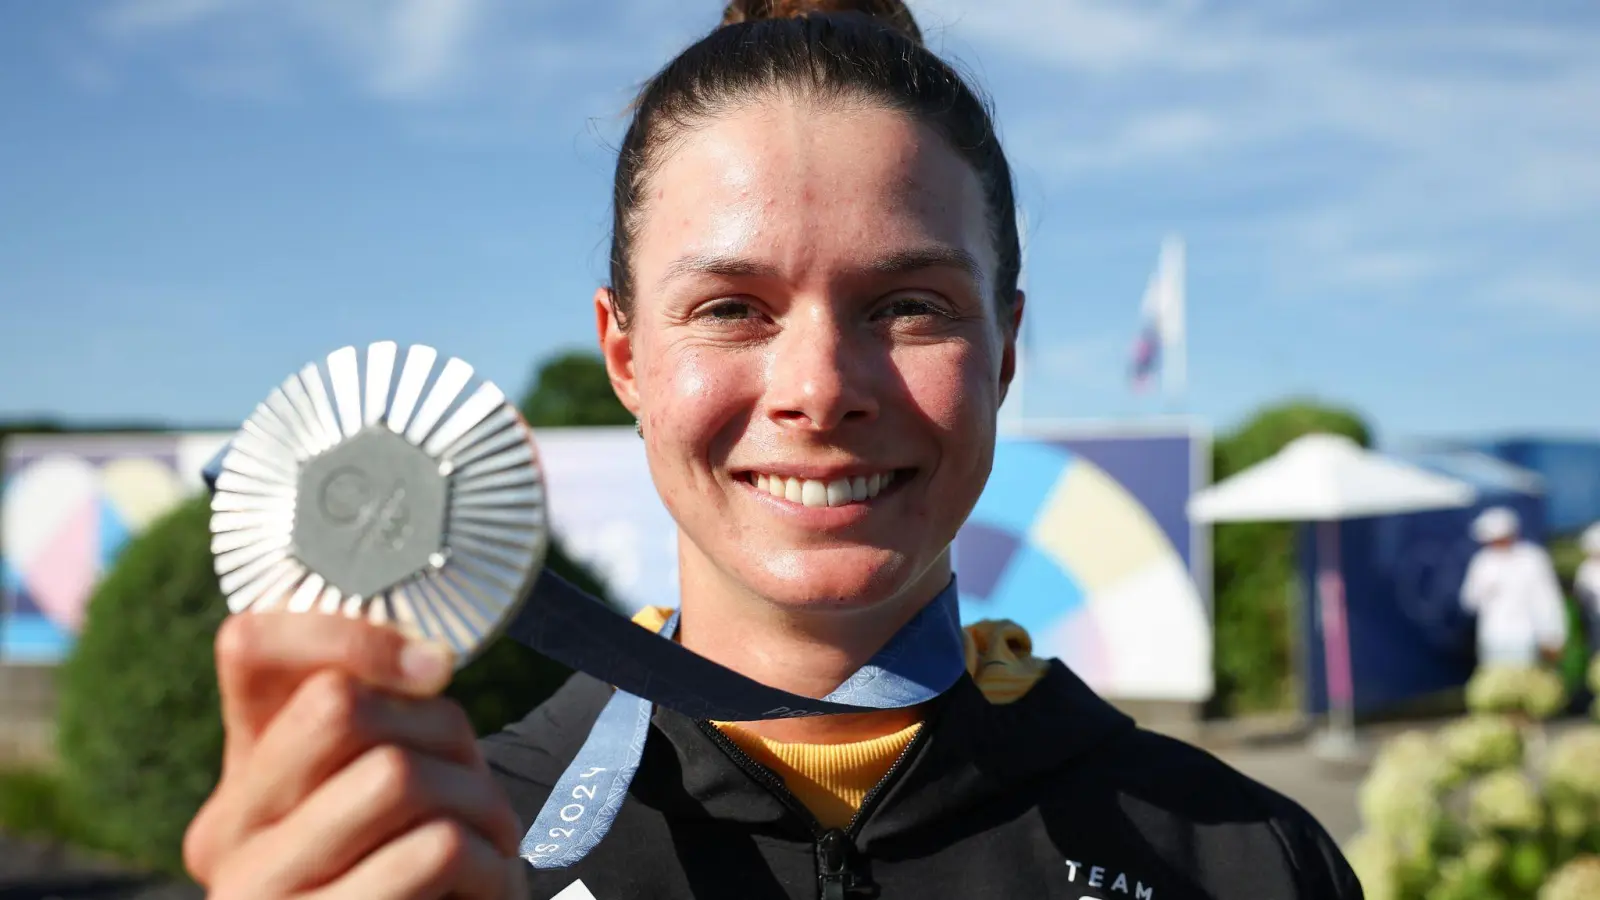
x=889 y=12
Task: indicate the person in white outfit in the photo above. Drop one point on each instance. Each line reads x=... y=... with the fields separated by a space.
x=1588 y=584
x=1511 y=586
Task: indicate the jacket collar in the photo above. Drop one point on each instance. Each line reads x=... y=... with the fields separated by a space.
x=972 y=752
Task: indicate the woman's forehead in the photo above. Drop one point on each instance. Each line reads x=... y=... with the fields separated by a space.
x=770 y=178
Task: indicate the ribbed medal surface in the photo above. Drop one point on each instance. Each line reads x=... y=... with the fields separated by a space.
x=392 y=489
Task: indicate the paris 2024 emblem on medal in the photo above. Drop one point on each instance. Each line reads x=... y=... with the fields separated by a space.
x=388 y=491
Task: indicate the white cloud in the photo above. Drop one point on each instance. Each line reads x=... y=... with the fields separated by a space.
x=1547 y=294
x=407 y=52
x=135 y=18
x=1102 y=37
x=426 y=39
x=1392 y=150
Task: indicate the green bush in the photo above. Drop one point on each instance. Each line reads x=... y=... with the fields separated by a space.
x=32 y=805
x=140 y=734
x=1466 y=816
x=1254 y=565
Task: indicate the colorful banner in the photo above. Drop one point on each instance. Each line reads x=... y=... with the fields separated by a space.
x=69 y=504
x=1080 y=537
x=1083 y=540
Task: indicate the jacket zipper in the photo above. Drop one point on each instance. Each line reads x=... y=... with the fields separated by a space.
x=871 y=800
x=763 y=776
x=837 y=877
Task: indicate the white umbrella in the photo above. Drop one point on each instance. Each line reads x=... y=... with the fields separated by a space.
x=1324 y=478
x=1327 y=477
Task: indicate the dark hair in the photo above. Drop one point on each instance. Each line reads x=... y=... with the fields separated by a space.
x=830 y=50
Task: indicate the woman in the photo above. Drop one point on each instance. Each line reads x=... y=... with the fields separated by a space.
x=813 y=311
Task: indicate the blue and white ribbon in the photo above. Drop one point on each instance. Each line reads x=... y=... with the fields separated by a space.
x=921 y=662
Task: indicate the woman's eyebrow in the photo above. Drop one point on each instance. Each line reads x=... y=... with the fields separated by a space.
x=711 y=264
x=900 y=262
x=936 y=256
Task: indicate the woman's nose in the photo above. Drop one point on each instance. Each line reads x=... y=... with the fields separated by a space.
x=820 y=377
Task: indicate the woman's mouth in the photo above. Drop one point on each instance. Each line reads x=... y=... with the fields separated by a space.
x=815 y=493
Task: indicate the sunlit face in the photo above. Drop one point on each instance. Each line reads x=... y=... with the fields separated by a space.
x=814 y=349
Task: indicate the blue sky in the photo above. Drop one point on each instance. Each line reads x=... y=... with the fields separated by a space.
x=1393 y=205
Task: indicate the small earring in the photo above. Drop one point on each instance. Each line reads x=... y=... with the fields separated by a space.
x=638 y=428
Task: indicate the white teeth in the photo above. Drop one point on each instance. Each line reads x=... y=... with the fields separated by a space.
x=838 y=492
x=813 y=493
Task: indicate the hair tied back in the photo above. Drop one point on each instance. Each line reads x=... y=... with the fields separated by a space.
x=892 y=13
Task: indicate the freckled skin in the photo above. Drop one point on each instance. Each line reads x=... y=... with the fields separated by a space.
x=810 y=353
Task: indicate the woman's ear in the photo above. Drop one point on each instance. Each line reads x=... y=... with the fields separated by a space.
x=1011 y=332
x=616 y=349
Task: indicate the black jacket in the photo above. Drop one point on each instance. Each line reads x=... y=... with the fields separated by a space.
x=1057 y=795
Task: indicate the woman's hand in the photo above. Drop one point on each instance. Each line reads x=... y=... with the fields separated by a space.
x=345 y=774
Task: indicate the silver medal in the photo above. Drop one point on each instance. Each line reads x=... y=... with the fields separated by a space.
x=389 y=491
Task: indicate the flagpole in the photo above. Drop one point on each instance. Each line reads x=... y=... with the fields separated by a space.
x=1174 y=325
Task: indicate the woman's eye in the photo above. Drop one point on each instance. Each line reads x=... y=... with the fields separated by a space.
x=728 y=311
x=910 y=306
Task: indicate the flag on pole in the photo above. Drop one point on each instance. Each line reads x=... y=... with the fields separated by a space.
x=1160 y=343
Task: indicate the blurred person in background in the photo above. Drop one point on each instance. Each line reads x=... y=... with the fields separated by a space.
x=1512 y=588
x=1588 y=584
x=813 y=312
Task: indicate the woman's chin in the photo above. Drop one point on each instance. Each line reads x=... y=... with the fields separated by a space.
x=838 y=579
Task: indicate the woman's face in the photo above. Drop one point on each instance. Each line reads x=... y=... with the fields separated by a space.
x=814 y=349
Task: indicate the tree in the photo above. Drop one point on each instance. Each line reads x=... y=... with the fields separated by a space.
x=572 y=389
x=1272 y=428
x=1254 y=563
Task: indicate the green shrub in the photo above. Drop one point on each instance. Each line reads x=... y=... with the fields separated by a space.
x=31 y=805
x=1434 y=829
x=140 y=734
x=1254 y=565
x=1532 y=691
x=1481 y=743
x=1577 y=880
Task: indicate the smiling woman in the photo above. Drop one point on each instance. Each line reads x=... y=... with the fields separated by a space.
x=813 y=313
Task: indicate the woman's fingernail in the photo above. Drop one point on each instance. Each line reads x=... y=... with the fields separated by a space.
x=427 y=664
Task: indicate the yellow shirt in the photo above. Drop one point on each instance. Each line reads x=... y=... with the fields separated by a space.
x=833 y=779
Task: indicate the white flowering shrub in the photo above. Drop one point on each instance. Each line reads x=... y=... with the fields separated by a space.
x=1506 y=802
x=1466 y=815
x=1481 y=743
x=1572 y=787
x=1577 y=880
x=1594 y=684
x=1377 y=864
x=1574 y=764
x=1534 y=692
